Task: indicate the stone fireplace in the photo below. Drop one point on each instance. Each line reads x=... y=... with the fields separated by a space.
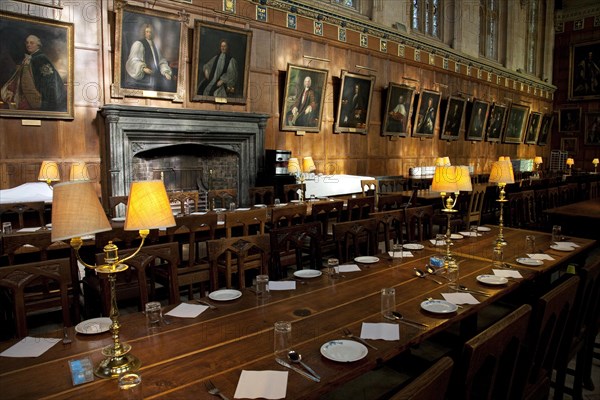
x=187 y=149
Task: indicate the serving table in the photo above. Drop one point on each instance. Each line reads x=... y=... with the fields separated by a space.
x=177 y=359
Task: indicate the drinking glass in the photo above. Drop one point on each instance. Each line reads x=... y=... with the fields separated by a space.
x=262 y=285
x=498 y=257
x=452 y=274
x=397 y=250
x=529 y=244
x=232 y=206
x=388 y=301
x=130 y=386
x=556 y=233
x=333 y=268
x=6 y=228
x=282 y=342
x=153 y=313
x=277 y=201
x=474 y=231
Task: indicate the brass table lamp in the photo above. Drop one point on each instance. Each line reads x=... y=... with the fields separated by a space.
x=501 y=174
x=49 y=172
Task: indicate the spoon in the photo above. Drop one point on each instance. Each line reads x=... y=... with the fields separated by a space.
x=466 y=289
x=422 y=274
x=395 y=315
x=296 y=358
x=434 y=271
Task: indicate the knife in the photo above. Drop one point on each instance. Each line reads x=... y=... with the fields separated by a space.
x=298 y=370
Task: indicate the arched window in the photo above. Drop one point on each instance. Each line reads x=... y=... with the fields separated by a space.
x=488 y=27
x=426 y=17
x=532 y=37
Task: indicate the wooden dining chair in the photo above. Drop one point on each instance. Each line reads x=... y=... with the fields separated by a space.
x=187 y=201
x=117 y=206
x=290 y=191
x=419 y=223
x=221 y=198
x=360 y=207
x=239 y=249
x=297 y=245
x=261 y=195
x=429 y=385
x=289 y=215
x=16 y=214
x=553 y=197
x=327 y=213
x=387 y=202
x=472 y=214
x=38 y=287
x=369 y=187
x=355 y=238
x=390 y=227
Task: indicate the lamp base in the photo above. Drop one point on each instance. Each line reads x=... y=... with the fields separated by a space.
x=113 y=366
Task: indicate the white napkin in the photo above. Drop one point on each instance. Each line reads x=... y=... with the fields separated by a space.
x=471 y=234
x=380 y=331
x=220 y=222
x=185 y=310
x=438 y=242
x=507 y=273
x=198 y=213
x=348 y=268
x=33 y=229
x=262 y=384
x=242 y=209
x=571 y=244
x=282 y=285
x=460 y=298
x=30 y=347
x=540 y=256
x=404 y=254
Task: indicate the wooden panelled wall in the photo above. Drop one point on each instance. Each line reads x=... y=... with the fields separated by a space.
x=22 y=148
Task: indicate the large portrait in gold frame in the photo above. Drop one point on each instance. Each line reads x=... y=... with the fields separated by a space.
x=304 y=98
x=36 y=72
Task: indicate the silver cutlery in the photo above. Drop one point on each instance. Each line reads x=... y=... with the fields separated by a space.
x=298 y=370
x=212 y=389
x=358 y=338
x=296 y=357
x=206 y=303
x=466 y=289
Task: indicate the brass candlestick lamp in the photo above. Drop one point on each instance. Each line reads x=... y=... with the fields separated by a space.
x=570 y=163
x=79 y=172
x=501 y=174
x=76 y=212
x=49 y=172
x=595 y=161
x=538 y=161
x=448 y=180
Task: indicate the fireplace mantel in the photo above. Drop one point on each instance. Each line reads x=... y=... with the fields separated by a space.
x=130 y=130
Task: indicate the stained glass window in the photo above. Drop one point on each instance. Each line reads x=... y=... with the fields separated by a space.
x=426 y=17
x=488 y=40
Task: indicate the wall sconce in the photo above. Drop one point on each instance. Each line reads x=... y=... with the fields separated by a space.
x=595 y=161
x=76 y=212
x=79 y=172
x=49 y=172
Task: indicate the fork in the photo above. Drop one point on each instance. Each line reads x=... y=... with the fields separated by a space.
x=206 y=303
x=351 y=336
x=212 y=389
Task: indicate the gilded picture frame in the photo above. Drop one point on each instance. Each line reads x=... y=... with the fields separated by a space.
x=212 y=43
x=354 y=104
x=533 y=127
x=592 y=129
x=304 y=98
x=425 y=120
x=150 y=48
x=398 y=110
x=584 y=76
x=516 y=121
x=569 y=120
x=39 y=85
x=570 y=145
x=454 y=116
x=495 y=123
x=545 y=128
x=477 y=120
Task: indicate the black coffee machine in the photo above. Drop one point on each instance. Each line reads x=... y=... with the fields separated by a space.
x=276 y=172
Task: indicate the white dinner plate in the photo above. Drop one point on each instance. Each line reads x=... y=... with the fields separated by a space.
x=562 y=247
x=439 y=306
x=413 y=246
x=456 y=236
x=224 y=295
x=366 y=260
x=530 y=262
x=260 y=205
x=483 y=229
x=220 y=209
x=492 y=279
x=307 y=273
x=469 y=234
x=344 y=350
x=118 y=219
x=242 y=209
x=93 y=326
x=294 y=201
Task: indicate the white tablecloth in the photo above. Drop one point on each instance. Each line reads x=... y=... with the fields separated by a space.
x=334 y=185
x=27 y=193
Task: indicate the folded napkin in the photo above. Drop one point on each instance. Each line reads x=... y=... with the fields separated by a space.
x=198 y=213
x=540 y=256
x=242 y=209
x=507 y=273
x=348 y=268
x=460 y=298
x=33 y=229
x=282 y=285
x=438 y=242
x=571 y=244
x=185 y=310
x=30 y=347
x=404 y=254
x=380 y=331
x=261 y=384
x=471 y=234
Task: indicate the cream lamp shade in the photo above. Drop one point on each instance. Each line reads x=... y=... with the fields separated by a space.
x=79 y=172
x=308 y=165
x=538 y=160
x=447 y=161
x=76 y=211
x=293 y=166
x=148 y=207
x=570 y=161
x=502 y=172
x=49 y=172
x=447 y=179
x=439 y=162
x=595 y=161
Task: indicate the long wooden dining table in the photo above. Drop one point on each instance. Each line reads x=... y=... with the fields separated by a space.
x=581 y=217
x=179 y=358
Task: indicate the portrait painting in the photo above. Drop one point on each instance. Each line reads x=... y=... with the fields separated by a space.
x=495 y=123
x=36 y=72
x=545 y=127
x=477 y=120
x=533 y=127
x=592 y=129
x=454 y=112
x=304 y=98
x=570 y=145
x=569 y=120
x=221 y=61
x=398 y=110
x=584 y=71
x=515 y=123
x=149 y=60
x=354 y=103
x=427 y=112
